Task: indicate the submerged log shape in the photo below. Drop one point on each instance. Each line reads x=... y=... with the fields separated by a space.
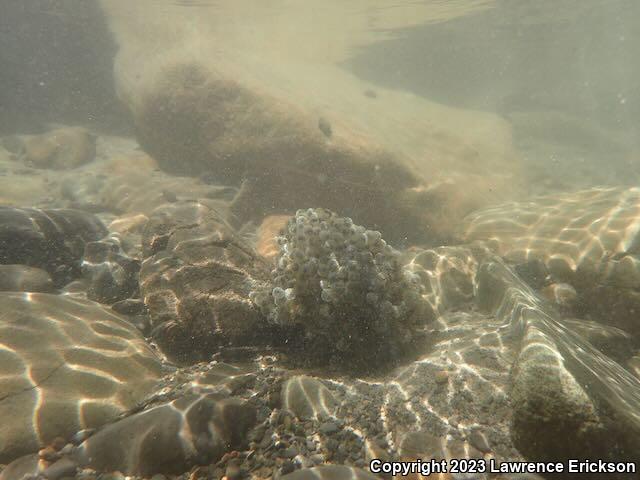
x=296 y=128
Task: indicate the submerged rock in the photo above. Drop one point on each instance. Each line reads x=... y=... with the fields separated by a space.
x=53 y=239
x=569 y=400
x=28 y=466
x=221 y=108
x=111 y=274
x=588 y=241
x=341 y=291
x=195 y=280
x=20 y=278
x=170 y=438
x=65 y=364
x=308 y=397
x=63 y=148
x=165 y=439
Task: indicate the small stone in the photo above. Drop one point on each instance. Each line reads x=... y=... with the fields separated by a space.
x=562 y=295
x=441 y=377
x=287 y=467
x=332 y=444
x=266 y=439
x=478 y=440
x=290 y=452
x=343 y=449
x=111 y=476
x=199 y=472
x=233 y=471
x=328 y=428
x=317 y=459
x=58 y=443
x=169 y=196
x=303 y=461
x=129 y=306
x=86 y=474
x=49 y=454
x=67 y=449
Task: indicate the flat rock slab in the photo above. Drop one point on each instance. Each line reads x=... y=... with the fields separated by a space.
x=65 y=364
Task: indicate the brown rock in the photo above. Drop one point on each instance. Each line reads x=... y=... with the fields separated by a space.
x=64 y=148
x=300 y=133
x=195 y=281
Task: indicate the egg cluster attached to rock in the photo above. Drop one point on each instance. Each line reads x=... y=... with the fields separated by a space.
x=343 y=286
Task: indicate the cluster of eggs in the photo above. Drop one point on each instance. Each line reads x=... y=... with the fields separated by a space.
x=332 y=273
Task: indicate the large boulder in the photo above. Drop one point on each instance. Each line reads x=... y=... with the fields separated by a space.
x=65 y=364
x=299 y=131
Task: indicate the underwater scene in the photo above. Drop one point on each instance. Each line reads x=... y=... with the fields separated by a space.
x=319 y=240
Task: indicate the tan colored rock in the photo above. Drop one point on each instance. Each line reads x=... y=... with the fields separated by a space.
x=63 y=148
x=22 y=278
x=128 y=224
x=125 y=163
x=446 y=274
x=330 y=472
x=128 y=181
x=270 y=227
x=307 y=397
x=65 y=364
x=169 y=437
x=295 y=127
